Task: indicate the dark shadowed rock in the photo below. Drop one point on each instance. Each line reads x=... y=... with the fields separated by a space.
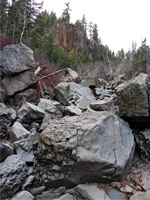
x=143 y=144
x=16 y=58
x=19 y=82
x=7 y=117
x=5 y=151
x=29 y=95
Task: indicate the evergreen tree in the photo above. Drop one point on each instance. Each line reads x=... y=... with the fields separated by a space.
x=21 y=17
x=4 y=7
x=79 y=23
x=84 y=24
x=65 y=15
x=86 y=59
x=140 y=58
x=73 y=57
x=95 y=53
x=120 y=54
x=90 y=30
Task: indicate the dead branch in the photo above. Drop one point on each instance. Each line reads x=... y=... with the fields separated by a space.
x=52 y=74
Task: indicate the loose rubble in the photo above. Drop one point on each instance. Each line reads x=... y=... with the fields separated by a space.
x=76 y=144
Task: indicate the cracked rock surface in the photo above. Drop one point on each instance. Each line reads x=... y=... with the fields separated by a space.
x=95 y=146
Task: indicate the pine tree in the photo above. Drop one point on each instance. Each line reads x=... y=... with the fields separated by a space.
x=84 y=24
x=21 y=17
x=95 y=53
x=73 y=57
x=65 y=15
x=90 y=30
x=4 y=7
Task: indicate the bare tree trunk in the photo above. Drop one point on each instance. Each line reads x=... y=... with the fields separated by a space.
x=13 y=36
x=24 y=21
x=5 y=27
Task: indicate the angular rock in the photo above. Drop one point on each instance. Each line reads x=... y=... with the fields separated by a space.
x=19 y=82
x=102 y=105
x=87 y=82
x=28 y=181
x=2 y=94
x=71 y=75
x=5 y=151
x=72 y=110
x=23 y=195
x=143 y=144
x=142 y=179
x=141 y=195
x=29 y=112
x=51 y=111
x=26 y=95
x=72 y=93
x=18 y=132
x=116 y=195
x=47 y=195
x=98 y=140
x=90 y=192
x=67 y=197
x=16 y=58
x=36 y=191
x=49 y=107
x=12 y=174
x=24 y=149
x=133 y=97
x=7 y=116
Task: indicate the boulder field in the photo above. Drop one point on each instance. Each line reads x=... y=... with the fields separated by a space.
x=76 y=144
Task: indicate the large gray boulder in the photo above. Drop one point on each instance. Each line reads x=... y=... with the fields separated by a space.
x=95 y=146
x=73 y=93
x=19 y=82
x=16 y=58
x=7 y=117
x=12 y=174
x=29 y=112
x=132 y=99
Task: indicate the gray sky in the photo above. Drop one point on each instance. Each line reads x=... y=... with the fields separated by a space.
x=119 y=21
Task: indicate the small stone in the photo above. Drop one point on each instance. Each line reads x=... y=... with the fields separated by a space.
x=56 y=168
x=36 y=191
x=24 y=195
x=60 y=190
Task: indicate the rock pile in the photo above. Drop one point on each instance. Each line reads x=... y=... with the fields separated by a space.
x=68 y=146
